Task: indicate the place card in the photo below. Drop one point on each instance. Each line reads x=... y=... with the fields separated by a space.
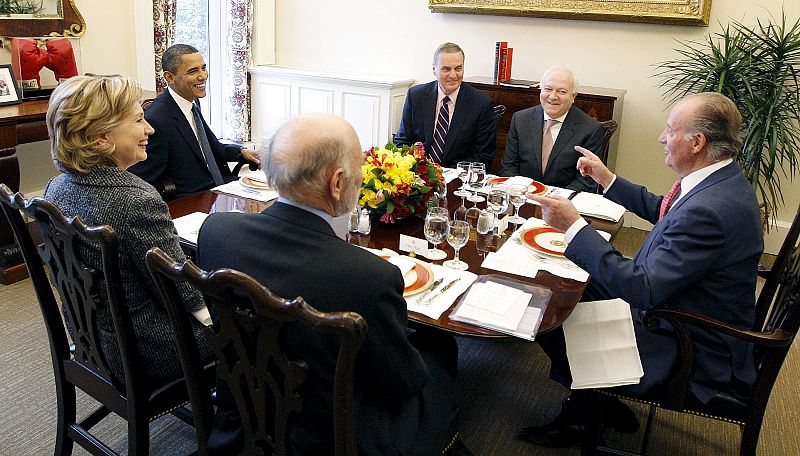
x=412 y=244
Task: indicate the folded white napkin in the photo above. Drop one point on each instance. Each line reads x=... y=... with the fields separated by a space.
x=598 y=206
x=404 y=264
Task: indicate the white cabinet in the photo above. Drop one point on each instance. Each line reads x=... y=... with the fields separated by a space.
x=372 y=104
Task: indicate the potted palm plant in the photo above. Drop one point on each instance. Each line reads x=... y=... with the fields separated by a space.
x=758 y=68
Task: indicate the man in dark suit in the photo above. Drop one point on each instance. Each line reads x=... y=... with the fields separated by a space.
x=454 y=121
x=702 y=254
x=529 y=136
x=404 y=384
x=184 y=150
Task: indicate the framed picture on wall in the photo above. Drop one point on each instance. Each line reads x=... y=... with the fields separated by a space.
x=9 y=91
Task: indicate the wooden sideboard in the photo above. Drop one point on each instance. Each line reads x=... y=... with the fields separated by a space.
x=601 y=103
x=19 y=124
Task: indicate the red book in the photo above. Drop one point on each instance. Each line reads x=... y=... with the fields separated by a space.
x=509 y=56
x=501 y=70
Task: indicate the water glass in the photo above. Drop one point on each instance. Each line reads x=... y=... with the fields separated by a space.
x=476 y=177
x=497 y=199
x=457 y=237
x=463 y=172
x=437 y=225
x=516 y=195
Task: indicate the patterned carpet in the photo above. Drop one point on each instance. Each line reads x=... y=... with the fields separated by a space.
x=503 y=386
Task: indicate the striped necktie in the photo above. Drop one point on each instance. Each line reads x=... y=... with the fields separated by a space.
x=440 y=133
x=206 y=147
x=666 y=203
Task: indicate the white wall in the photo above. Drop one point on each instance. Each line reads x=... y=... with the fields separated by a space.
x=391 y=37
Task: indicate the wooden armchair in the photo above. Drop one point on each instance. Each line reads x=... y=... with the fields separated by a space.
x=777 y=321
x=82 y=365
x=609 y=128
x=265 y=382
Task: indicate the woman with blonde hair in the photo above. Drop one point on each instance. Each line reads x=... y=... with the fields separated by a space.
x=97 y=130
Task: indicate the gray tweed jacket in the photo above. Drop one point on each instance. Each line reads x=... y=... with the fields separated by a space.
x=115 y=197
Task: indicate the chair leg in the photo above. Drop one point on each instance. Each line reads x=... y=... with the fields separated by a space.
x=138 y=435
x=592 y=438
x=65 y=395
x=750 y=435
x=651 y=418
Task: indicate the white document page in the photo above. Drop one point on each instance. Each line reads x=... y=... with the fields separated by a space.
x=188 y=226
x=598 y=206
x=481 y=306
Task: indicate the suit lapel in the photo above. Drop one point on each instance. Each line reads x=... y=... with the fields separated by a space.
x=463 y=104
x=715 y=177
x=429 y=113
x=568 y=129
x=183 y=127
x=537 y=127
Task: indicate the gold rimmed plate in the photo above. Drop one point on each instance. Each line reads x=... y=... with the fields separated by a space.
x=418 y=279
x=545 y=240
x=253 y=183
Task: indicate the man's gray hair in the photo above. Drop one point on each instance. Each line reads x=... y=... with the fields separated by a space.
x=553 y=69
x=449 y=48
x=172 y=56
x=718 y=118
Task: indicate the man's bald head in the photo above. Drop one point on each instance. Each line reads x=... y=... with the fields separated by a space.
x=306 y=152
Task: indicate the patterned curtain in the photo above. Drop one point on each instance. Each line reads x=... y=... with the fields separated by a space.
x=164 y=35
x=237 y=55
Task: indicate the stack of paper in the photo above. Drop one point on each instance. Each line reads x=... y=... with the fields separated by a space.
x=601 y=345
x=598 y=206
x=504 y=305
x=237 y=189
x=188 y=226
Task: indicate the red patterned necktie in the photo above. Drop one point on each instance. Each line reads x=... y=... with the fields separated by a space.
x=547 y=143
x=440 y=133
x=666 y=203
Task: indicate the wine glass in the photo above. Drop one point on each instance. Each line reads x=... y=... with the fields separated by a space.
x=476 y=177
x=457 y=238
x=497 y=200
x=463 y=168
x=516 y=195
x=436 y=228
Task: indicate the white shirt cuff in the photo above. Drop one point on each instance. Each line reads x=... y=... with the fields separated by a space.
x=203 y=316
x=574 y=228
x=613 y=179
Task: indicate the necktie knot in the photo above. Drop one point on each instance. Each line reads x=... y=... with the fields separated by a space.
x=550 y=123
x=669 y=198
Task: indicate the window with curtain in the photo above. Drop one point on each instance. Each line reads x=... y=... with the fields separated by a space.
x=197 y=23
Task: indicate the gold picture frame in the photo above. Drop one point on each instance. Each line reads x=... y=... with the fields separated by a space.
x=673 y=12
x=55 y=18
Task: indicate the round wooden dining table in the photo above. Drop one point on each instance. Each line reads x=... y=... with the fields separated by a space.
x=566 y=292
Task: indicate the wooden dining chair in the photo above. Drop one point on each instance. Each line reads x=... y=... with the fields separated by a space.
x=609 y=128
x=777 y=322
x=80 y=363
x=252 y=362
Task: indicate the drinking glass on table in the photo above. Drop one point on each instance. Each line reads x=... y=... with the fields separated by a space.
x=516 y=195
x=497 y=200
x=463 y=173
x=457 y=238
x=437 y=225
x=476 y=177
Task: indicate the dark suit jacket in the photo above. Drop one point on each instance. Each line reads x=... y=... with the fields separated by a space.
x=298 y=254
x=112 y=196
x=472 y=132
x=702 y=256
x=173 y=152
x=523 y=154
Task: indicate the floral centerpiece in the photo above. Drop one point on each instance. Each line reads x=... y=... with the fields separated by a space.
x=398 y=182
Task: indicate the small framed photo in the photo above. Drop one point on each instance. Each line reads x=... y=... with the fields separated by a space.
x=9 y=91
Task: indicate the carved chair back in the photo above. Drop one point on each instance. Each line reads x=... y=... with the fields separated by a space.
x=251 y=359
